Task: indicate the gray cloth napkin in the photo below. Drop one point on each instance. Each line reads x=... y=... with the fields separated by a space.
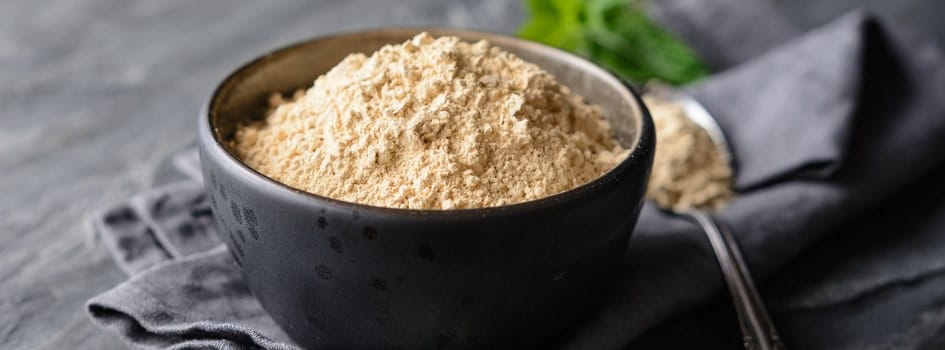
x=823 y=128
x=883 y=130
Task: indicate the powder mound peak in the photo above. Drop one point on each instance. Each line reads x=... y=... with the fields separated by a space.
x=432 y=123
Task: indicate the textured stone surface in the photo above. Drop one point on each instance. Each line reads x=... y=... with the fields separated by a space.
x=96 y=94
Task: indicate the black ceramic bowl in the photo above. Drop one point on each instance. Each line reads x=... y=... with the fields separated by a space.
x=344 y=275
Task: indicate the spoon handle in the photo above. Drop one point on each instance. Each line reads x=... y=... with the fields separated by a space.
x=758 y=332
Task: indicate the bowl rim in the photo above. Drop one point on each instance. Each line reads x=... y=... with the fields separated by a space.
x=643 y=144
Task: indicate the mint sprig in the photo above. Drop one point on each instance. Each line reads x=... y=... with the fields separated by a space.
x=617 y=34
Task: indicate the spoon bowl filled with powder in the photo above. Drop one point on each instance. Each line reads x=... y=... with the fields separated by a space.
x=424 y=188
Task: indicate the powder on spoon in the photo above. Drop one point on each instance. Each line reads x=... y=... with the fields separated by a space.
x=689 y=171
x=433 y=123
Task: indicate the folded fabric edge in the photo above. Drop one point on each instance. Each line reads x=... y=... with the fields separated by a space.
x=188 y=163
x=112 y=311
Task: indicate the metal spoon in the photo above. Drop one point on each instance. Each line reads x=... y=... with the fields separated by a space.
x=758 y=332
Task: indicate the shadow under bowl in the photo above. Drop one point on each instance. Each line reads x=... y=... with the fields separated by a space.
x=337 y=274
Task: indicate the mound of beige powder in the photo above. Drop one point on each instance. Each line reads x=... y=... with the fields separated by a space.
x=433 y=123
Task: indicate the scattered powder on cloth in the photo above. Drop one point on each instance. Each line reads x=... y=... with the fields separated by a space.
x=433 y=123
x=689 y=171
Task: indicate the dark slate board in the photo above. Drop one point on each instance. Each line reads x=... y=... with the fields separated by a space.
x=96 y=94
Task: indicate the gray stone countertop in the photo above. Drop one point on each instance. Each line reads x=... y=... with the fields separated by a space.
x=96 y=94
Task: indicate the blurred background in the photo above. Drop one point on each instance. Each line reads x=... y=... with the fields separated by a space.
x=97 y=94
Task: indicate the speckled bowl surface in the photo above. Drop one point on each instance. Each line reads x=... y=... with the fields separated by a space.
x=336 y=274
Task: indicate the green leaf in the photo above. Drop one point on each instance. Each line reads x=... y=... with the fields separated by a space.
x=616 y=34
